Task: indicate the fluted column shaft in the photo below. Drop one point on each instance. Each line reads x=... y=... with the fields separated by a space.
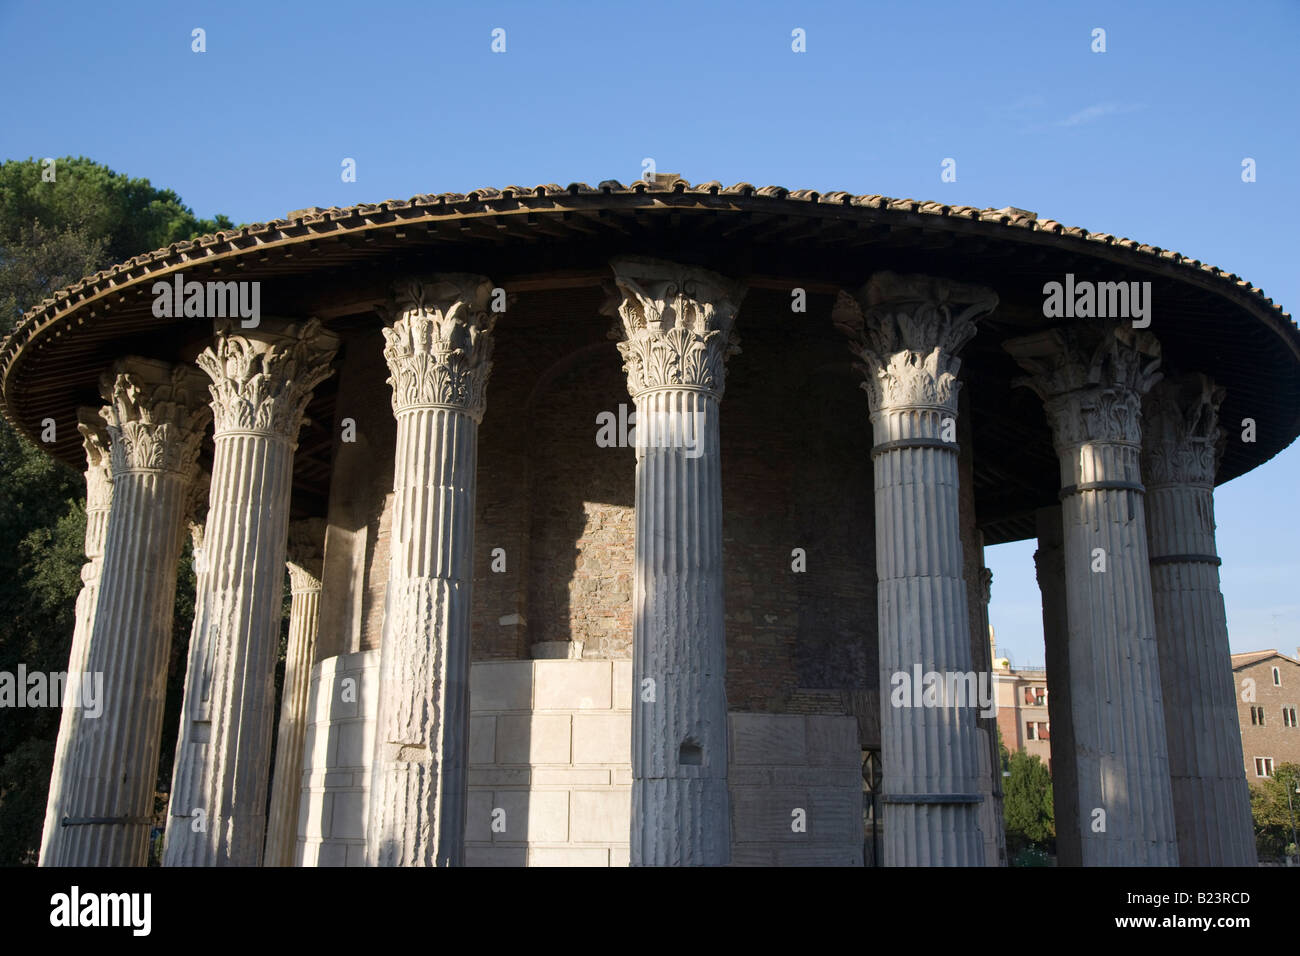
x=1049 y=568
x=439 y=351
x=155 y=420
x=1091 y=380
x=305 y=555
x=261 y=382
x=679 y=740
x=99 y=494
x=676 y=324
x=907 y=331
x=1210 y=794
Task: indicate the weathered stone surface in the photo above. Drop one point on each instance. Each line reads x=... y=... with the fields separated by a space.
x=907 y=331
x=306 y=546
x=99 y=496
x=675 y=325
x=155 y=419
x=262 y=380
x=439 y=351
x=1181 y=444
x=1091 y=380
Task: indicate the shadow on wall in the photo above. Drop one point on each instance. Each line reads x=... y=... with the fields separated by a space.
x=583 y=520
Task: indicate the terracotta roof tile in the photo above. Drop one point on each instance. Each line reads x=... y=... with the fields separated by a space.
x=362 y=211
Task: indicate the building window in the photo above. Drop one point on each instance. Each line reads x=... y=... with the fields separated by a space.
x=1263 y=766
x=1040 y=696
x=1029 y=730
x=1257 y=716
x=1277 y=677
x=1288 y=717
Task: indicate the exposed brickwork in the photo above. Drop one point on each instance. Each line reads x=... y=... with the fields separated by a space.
x=794 y=476
x=583 y=523
x=1274 y=739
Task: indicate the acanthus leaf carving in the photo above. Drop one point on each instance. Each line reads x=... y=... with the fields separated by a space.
x=1091 y=379
x=438 y=343
x=674 y=324
x=1182 y=441
x=907 y=330
x=155 y=416
x=263 y=379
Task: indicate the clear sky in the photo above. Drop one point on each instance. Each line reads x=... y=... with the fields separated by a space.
x=1145 y=140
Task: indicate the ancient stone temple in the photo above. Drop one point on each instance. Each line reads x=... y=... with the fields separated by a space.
x=645 y=525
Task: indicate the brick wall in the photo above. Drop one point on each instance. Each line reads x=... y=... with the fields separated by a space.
x=1274 y=739
x=794 y=476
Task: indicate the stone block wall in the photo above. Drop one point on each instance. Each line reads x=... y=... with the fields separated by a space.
x=337 y=751
x=550 y=763
x=550 y=775
x=796 y=790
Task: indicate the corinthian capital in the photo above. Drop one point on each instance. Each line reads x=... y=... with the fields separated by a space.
x=155 y=416
x=907 y=331
x=675 y=324
x=1091 y=379
x=306 y=553
x=262 y=379
x=1181 y=438
x=99 y=459
x=439 y=343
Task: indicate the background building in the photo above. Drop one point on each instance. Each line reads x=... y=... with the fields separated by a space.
x=1268 y=700
x=1023 y=715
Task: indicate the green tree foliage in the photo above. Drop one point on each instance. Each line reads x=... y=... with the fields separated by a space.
x=129 y=216
x=1273 y=818
x=1027 y=804
x=51 y=234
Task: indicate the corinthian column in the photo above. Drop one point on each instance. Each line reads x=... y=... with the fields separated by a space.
x=676 y=327
x=261 y=382
x=155 y=419
x=1092 y=379
x=907 y=331
x=306 y=554
x=1180 y=454
x=439 y=352
x=99 y=494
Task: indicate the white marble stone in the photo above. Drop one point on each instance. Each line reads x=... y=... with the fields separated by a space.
x=306 y=547
x=261 y=381
x=1181 y=445
x=676 y=323
x=99 y=495
x=439 y=350
x=1092 y=379
x=907 y=330
x=155 y=418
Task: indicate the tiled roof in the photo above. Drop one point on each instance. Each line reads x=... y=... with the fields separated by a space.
x=1254 y=657
x=316 y=221
x=561 y=236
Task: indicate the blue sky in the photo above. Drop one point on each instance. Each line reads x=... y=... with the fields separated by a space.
x=1145 y=140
